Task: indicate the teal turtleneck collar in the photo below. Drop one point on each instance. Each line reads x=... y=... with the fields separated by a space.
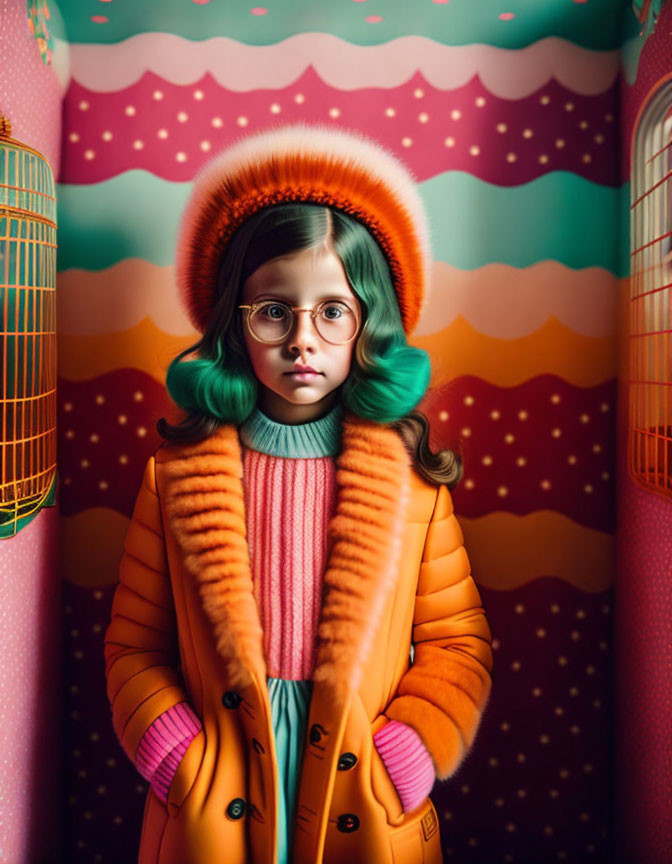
x=293 y=441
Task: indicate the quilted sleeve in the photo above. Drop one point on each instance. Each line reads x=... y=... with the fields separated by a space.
x=443 y=694
x=141 y=652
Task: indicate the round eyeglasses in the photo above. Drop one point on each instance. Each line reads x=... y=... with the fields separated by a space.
x=272 y=320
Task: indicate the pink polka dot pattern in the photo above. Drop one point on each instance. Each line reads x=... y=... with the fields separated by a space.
x=30 y=684
x=542 y=445
x=106 y=433
x=173 y=130
x=31 y=93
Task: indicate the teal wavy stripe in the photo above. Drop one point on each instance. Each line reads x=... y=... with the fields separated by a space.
x=594 y=25
x=559 y=217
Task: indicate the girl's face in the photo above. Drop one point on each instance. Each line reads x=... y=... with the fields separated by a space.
x=303 y=278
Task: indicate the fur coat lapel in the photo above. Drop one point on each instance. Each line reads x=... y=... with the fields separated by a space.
x=205 y=509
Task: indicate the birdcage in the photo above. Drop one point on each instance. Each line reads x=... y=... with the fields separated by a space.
x=650 y=378
x=27 y=333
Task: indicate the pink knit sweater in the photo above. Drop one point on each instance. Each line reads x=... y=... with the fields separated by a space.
x=289 y=502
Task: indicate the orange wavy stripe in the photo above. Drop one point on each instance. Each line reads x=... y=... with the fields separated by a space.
x=553 y=349
x=506 y=551
x=457 y=350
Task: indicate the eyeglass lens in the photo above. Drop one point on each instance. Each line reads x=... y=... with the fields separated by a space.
x=335 y=321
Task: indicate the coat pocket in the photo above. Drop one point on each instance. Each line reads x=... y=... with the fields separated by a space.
x=186 y=774
x=382 y=786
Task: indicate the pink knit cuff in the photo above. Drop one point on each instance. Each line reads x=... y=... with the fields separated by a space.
x=169 y=735
x=407 y=761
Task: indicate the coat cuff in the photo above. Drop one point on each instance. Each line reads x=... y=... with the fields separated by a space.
x=165 y=742
x=407 y=761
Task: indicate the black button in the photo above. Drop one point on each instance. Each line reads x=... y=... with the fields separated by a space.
x=347 y=761
x=236 y=809
x=347 y=823
x=316 y=733
x=231 y=699
x=258 y=746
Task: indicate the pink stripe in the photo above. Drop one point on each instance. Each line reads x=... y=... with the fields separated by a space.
x=171 y=729
x=407 y=761
x=288 y=506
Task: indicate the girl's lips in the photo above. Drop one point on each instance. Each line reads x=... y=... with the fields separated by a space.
x=304 y=376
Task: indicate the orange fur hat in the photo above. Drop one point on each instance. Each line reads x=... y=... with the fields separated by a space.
x=308 y=163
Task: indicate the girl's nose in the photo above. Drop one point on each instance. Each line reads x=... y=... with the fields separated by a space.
x=303 y=334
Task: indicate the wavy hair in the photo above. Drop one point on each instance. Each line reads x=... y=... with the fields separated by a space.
x=213 y=382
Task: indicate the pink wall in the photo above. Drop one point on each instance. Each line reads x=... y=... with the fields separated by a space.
x=643 y=609
x=30 y=587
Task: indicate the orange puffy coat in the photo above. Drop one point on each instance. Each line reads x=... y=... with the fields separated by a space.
x=185 y=627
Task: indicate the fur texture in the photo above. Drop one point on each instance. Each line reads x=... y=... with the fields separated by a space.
x=312 y=164
x=205 y=508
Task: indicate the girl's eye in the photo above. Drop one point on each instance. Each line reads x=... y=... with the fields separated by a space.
x=276 y=311
x=333 y=311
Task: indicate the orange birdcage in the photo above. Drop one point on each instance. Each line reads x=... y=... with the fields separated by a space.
x=650 y=426
x=27 y=333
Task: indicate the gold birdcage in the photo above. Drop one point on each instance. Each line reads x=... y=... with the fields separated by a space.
x=27 y=333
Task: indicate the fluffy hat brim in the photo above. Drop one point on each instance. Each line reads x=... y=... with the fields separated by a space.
x=310 y=163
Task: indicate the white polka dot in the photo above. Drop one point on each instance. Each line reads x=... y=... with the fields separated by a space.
x=545 y=485
x=465 y=431
x=205 y=145
x=418 y=93
x=107 y=135
x=479 y=102
x=122 y=419
x=559 y=143
x=129 y=111
x=522 y=415
x=443 y=415
x=571 y=459
x=181 y=156
x=588 y=488
x=141 y=431
x=556 y=398
x=469 y=484
x=474 y=150
x=275 y=108
x=138 y=145
x=569 y=106
x=199 y=95
x=556 y=433
x=242 y=120
x=604 y=475
x=74 y=137
x=84 y=105
x=158 y=95
x=70 y=433
x=583 y=124
x=469 y=400
x=520 y=461
x=455 y=114
x=89 y=154
x=487 y=460
x=162 y=133
x=84 y=463
x=182 y=117
x=123 y=459
x=299 y=98
x=543 y=159
x=94 y=438
x=390 y=112
x=545 y=100
x=406 y=142
x=449 y=142
x=502 y=491
x=501 y=128
x=585 y=418
x=509 y=438
x=586 y=158
x=511 y=157
x=217 y=122
x=103 y=485
x=527 y=133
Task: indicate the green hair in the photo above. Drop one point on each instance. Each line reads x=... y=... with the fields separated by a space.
x=388 y=377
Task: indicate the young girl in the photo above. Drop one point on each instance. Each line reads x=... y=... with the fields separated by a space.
x=297 y=648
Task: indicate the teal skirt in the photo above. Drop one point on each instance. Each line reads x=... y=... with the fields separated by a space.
x=290 y=701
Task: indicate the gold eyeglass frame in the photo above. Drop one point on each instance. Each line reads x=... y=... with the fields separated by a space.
x=313 y=312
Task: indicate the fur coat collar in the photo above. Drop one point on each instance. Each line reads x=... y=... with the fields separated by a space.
x=205 y=509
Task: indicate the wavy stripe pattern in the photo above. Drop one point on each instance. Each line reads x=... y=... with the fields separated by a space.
x=343 y=65
x=541 y=445
x=460 y=350
x=496 y=300
x=559 y=216
x=455 y=350
x=593 y=24
x=172 y=131
x=505 y=551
